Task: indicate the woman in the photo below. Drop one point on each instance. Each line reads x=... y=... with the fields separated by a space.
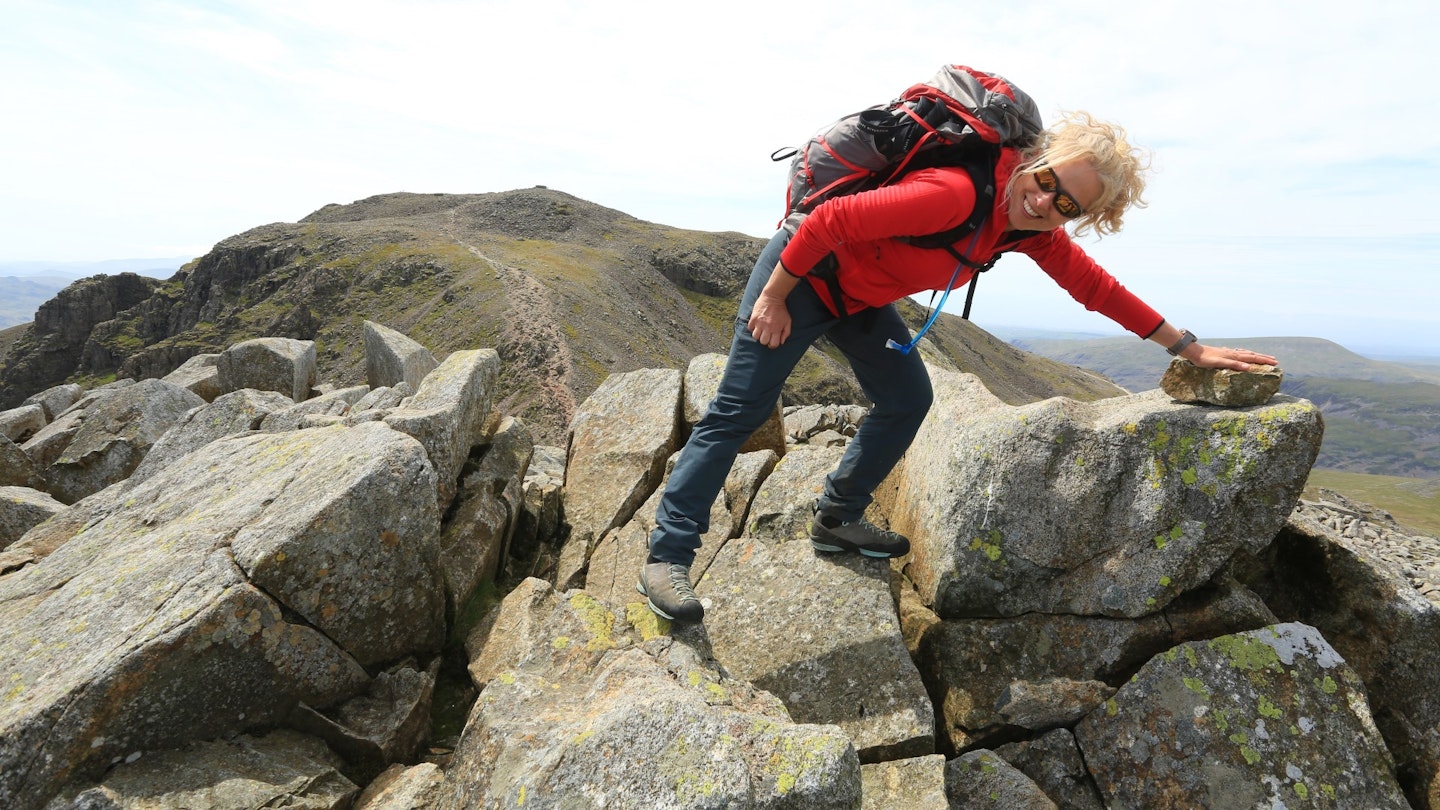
x=1084 y=173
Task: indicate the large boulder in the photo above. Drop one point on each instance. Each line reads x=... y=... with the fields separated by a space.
x=235 y=412
x=114 y=437
x=1254 y=719
x=620 y=439
x=820 y=632
x=1387 y=632
x=56 y=400
x=392 y=358
x=1110 y=508
x=16 y=468
x=259 y=572
x=269 y=364
x=19 y=424
x=575 y=712
x=448 y=413
x=200 y=374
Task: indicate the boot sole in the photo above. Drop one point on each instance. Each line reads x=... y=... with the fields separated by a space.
x=879 y=555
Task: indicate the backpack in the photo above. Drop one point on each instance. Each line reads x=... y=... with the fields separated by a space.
x=961 y=117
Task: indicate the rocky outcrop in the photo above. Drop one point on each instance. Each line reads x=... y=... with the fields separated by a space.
x=56 y=343
x=311 y=590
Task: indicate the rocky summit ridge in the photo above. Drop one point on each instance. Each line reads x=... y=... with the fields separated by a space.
x=237 y=586
x=567 y=292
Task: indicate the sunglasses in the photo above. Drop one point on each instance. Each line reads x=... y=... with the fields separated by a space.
x=1064 y=203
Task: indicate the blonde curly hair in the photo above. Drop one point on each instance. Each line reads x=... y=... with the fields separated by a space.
x=1121 y=166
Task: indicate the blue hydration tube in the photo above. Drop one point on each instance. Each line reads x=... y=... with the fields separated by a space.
x=904 y=348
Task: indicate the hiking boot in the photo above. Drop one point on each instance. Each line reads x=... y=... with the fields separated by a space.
x=828 y=533
x=667 y=590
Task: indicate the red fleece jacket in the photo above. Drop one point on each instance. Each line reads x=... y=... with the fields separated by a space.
x=877 y=267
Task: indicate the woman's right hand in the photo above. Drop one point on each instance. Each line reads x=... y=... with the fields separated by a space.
x=770 y=321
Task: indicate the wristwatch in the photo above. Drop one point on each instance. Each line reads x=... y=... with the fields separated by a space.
x=1186 y=338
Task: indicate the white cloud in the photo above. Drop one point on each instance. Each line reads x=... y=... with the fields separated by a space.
x=1274 y=124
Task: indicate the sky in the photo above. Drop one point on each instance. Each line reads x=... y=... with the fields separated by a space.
x=1295 y=153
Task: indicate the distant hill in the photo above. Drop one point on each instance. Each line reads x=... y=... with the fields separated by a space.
x=1381 y=418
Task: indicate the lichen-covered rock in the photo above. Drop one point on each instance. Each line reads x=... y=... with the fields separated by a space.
x=448 y=413
x=904 y=784
x=1387 y=633
x=114 y=437
x=1041 y=705
x=1111 y=508
x=331 y=403
x=269 y=364
x=702 y=380
x=235 y=412
x=573 y=711
x=981 y=779
x=403 y=788
x=1221 y=386
x=199 y=374
x=258 y=572
x=1245 y=720
x=619 y=442
x=391 y=358
x=280 y=769
x=21 y=509
x=820 y=631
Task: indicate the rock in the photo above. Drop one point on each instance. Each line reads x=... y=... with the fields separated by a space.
x=385 y=725
x=804 y=421
x=821 y=633
x=540 y=523
x=16 y=468
x=1044 y=705
x=280 y=769
x=1111 y=508
x=1243 y=720
x=269 y=364
x=1053 y=761
x=235 y=412
x=56 y=400
x=392 y=358
x=785 y=502
x=114 y=437
x=619 y=441
x=476 y=536
x=295 y=415
x=448 y=413
x=1386 y=631
x=1221 y=386
x=41 y=540
x=45 y=447
x=906 y=784
x=573 y=711
x=616 y=562
x=256 y=573
x=981 y=779
x=200 y=375
x=21 y=509
x=402 y=788
x=702 y=380
x=19 y=424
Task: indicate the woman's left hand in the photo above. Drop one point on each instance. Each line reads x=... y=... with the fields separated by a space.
x=1225 y=357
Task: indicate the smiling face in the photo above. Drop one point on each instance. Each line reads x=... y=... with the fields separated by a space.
x=1031 y=208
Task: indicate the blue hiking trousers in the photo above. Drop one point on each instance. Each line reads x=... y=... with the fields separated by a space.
x=897 y=385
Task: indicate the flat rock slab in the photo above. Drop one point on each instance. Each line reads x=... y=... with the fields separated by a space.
x=821 y=632
x=1221 y=386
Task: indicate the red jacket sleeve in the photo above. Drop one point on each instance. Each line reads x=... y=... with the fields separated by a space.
x=1087 y=282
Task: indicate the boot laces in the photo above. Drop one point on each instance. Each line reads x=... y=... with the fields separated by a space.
x=680 y=582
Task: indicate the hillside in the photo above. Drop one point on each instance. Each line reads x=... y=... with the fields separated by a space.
x=1381 y=418
x=567 y=291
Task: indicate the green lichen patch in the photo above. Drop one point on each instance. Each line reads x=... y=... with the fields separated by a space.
x=1246 y=652
x=989 y=545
